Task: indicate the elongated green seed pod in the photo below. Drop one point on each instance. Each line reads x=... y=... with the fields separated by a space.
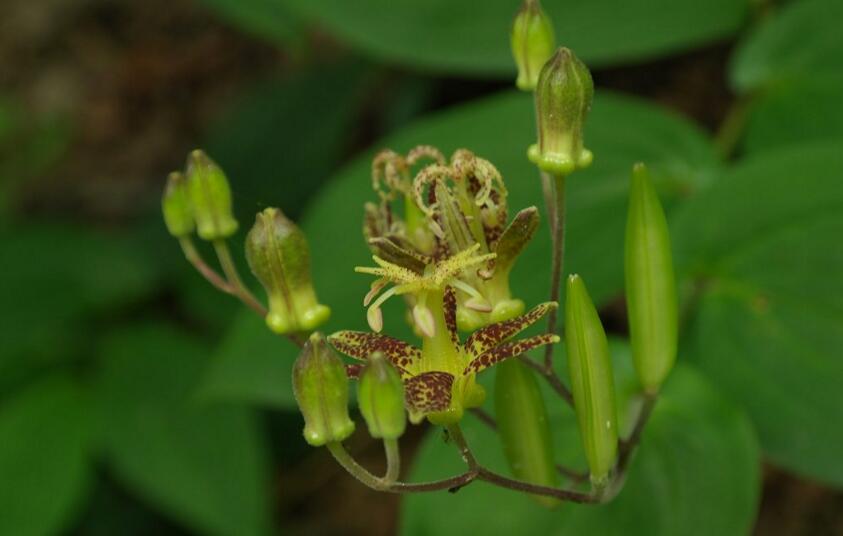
x=175 y=205
x=650 y=284
x=210 y=197
x=523 y=426
x=591 y=381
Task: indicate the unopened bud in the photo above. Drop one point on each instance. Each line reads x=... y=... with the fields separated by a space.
x=650 y=285
x=210 y=196
x=563 y=100
x=592 y=383
x=175 y=204
x=380 y=395
x=523 y=426
x=532 y=43
x=279 y=256
x=320 y=385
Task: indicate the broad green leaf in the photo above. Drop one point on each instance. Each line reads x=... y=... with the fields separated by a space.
x=55 y=277
x=252 y=365
x=45 y=440
x=792 y=66
x=280 y=140
x=206 y=467
x=764 y=245
x=802 y=41
x=696 y=473
x=792 y=113
x=468 y=37
x=620 y=131
x=268 y=19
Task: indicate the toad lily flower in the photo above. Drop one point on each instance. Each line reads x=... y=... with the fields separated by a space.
x=448 y=209
x=439 y=378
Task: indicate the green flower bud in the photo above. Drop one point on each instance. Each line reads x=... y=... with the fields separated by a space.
x=563 y=100
x=320 y=385
x=532 y=43
x=650 y=285
x=279 y=256
x=523 y=426
x=210 y=196
x=178 y=214
x=380 y=395
x=591 y=381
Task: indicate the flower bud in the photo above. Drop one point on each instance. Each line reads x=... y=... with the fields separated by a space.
x=591 y=381
x=320 y=385
x=650 y=286
x=210 y=196
x=178 y=214
x=279 y=256
x=532 y=43
x=563 y=100
x=523 y=426
x=380 y=395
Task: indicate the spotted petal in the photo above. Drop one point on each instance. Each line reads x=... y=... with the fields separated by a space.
x=429 y=392
x=486 y=338
x=360 y=345
x=449 y=306
x=506 y=350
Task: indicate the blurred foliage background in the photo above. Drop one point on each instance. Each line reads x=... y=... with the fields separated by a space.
x=135 y=399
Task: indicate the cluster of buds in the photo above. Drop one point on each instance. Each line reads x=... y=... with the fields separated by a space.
x=445 y=209
x=276 y=249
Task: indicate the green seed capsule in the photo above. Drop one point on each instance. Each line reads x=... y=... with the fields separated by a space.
x=650 y=284
x=523 y=426
x=279 y=256
x=210 y=196
x=380 y=395
x=175 y=204
x=591 y=381
x=532 y=43
x=563 y=99
x=320 y=385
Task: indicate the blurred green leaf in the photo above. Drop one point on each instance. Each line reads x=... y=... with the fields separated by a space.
x=802 y=41
x=252 y=365
x=55 y=277
x=791 y=67
x=696 y=473
x=801 y=112
x=268 y=19
x=45 y=445
x=282 y=139
x=467 y=37
x=205 y=467
x=620 y=131
x=764 y=243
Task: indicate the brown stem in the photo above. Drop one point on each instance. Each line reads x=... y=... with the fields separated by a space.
x=535 y=489
x=627 y=446
x=552 y=379
x=557 y=259
x=230 y=270
x=195 y=258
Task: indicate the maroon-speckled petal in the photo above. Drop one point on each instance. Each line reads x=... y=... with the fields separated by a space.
x=361 y=344
x=506 y=350
x=429 y=392
x=449 y=305
x=485 y=339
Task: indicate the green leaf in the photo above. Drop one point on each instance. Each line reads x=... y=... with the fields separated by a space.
x=280 y=140
x=252 y=365
x=620 y=131
x=792 y=65
x=696 y=473
x=204 y=466
x=802 y=41
x=764 y=244
x=45 y=445
x=55 y=277
x=466 y=37
x=268 y=19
